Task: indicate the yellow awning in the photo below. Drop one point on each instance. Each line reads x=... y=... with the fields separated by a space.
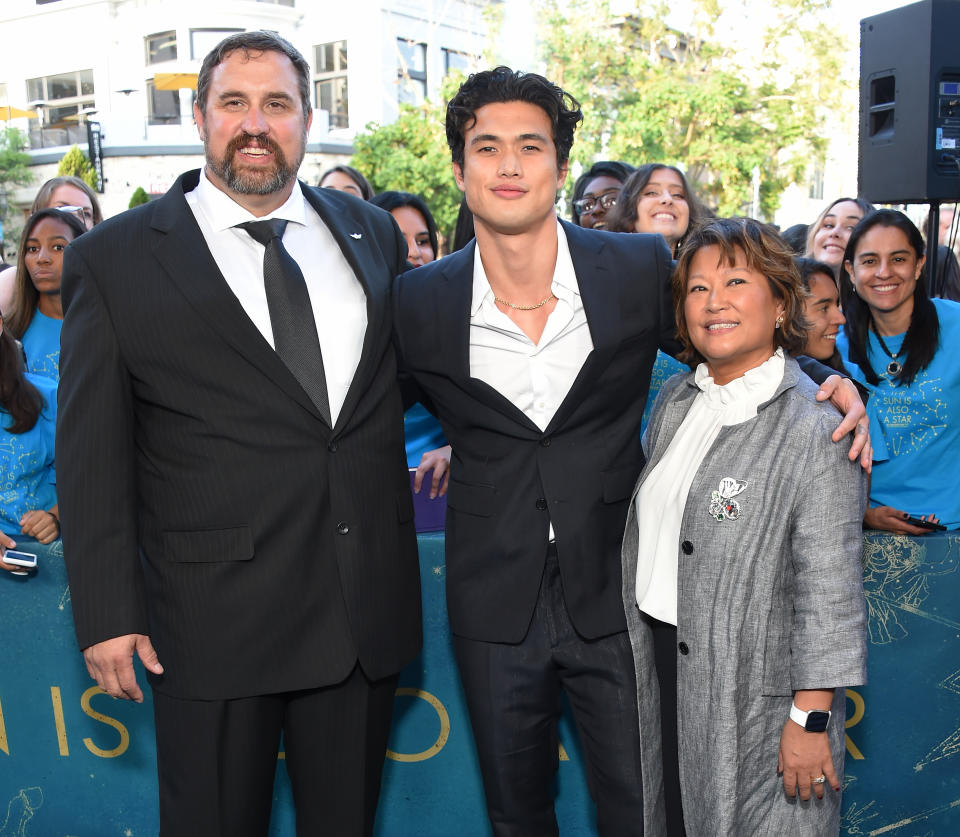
x=8 y=112
x=175 y=81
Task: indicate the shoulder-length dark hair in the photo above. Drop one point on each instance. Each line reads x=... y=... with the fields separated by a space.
x=18 y=396
x=366 y=190
x=25 y=295
x=923 y=334
x=395 y=200
x=613 y=169
x=623 y=216
x=765 y=252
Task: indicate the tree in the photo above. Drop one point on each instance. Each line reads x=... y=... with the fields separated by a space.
x=14 y=165
x=739 y=87
x=138 y=197
x=411 y=155
x=75 y=163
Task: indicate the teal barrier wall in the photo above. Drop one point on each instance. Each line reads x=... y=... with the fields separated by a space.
x=75 y=762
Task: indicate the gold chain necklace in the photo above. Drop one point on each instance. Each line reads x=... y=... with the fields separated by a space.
x=524 y=307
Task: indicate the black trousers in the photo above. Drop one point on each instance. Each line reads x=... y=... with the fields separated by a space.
x=216 y=760
x=665 y=659
x=513 y=695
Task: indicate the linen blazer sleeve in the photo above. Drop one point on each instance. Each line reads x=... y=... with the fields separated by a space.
x=828 y=644
x=95 y=462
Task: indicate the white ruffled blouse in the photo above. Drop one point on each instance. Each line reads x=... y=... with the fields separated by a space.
x=661 y=500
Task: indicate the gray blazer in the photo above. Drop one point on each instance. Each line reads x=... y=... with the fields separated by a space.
x=768 y=603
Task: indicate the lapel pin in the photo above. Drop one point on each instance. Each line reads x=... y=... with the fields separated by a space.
x=722 y=504
x=356 y=236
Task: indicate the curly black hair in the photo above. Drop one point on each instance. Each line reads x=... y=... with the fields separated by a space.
x=502 y=84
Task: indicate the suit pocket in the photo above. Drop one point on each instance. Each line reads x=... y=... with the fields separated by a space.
x=618 y=483
x=472 y=499
x=209 y=545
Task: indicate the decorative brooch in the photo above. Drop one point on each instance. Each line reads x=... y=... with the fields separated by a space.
x=722 y=504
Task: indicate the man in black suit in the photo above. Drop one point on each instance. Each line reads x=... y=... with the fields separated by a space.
x=534 y=346
x=237 y=516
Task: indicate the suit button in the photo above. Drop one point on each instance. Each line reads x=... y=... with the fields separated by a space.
x=342 y=528
x=683 y=648
x=332 y=447
x=545 y=443
x=687 y=548
x=542 y=503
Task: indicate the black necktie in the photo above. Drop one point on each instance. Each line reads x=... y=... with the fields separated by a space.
x=291 y=315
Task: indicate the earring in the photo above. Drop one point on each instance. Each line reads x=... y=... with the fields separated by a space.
x=779 y=321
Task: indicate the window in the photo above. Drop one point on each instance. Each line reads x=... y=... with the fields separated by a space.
x=204 y=40
x=163 y=106
x=161 y=47
x=59 y=101
x=453 y=60
x=330 y=82
x=816 y=182
x=411 y=72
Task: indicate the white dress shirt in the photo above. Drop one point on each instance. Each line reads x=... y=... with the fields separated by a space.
x=336 y=295
x=536 y=377
x=662 y=499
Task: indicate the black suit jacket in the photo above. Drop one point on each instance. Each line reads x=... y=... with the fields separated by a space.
x=509 y=479
x=204 y=500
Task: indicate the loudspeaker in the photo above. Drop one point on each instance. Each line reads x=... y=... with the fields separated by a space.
x=910 y=104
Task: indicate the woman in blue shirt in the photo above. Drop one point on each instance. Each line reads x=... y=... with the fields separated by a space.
x=897 y=342
x=28 y=494
x=37 y=313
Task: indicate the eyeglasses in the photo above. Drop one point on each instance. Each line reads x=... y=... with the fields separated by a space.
x=585 y=206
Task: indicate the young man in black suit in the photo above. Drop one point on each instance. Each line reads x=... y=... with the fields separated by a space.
x=236 y=513
x=534 y=346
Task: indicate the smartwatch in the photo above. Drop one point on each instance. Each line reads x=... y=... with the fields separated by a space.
x=814 y=721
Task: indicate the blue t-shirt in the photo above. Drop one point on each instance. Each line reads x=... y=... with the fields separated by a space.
x=28 y=480
x=920 y=424
x=664 y=367
x=41 y=344
x=422 y=432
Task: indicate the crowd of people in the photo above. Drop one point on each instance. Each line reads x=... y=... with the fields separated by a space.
x=228 y=461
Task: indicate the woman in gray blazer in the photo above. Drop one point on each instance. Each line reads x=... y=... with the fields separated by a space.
x=741 y=560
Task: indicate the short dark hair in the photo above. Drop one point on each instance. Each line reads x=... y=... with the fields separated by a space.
x=623 y=216
x=25 y=295
x=366 y=190
x=258 y=42
x=765 y=252
x=395 y=200
x=502 y=84
x=923 y=334
x=811 y=267
x=602 y=168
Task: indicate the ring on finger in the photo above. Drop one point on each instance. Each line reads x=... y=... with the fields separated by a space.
x=819 y=780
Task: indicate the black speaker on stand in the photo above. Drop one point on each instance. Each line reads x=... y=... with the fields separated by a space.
x=910 y=104
x=910 y=109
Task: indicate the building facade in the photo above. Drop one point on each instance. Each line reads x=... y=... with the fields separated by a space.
x=130 y=67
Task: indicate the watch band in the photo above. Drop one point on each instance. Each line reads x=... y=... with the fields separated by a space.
x=815 y=720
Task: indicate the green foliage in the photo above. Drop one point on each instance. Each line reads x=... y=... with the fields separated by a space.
x=411 y=155
x=139 y=197
x=700 y=98
x=75 y=163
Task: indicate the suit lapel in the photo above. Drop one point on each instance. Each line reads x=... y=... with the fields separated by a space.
x=600 y=293
x=454 y=298
x=183 y=253
x=355 y=239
